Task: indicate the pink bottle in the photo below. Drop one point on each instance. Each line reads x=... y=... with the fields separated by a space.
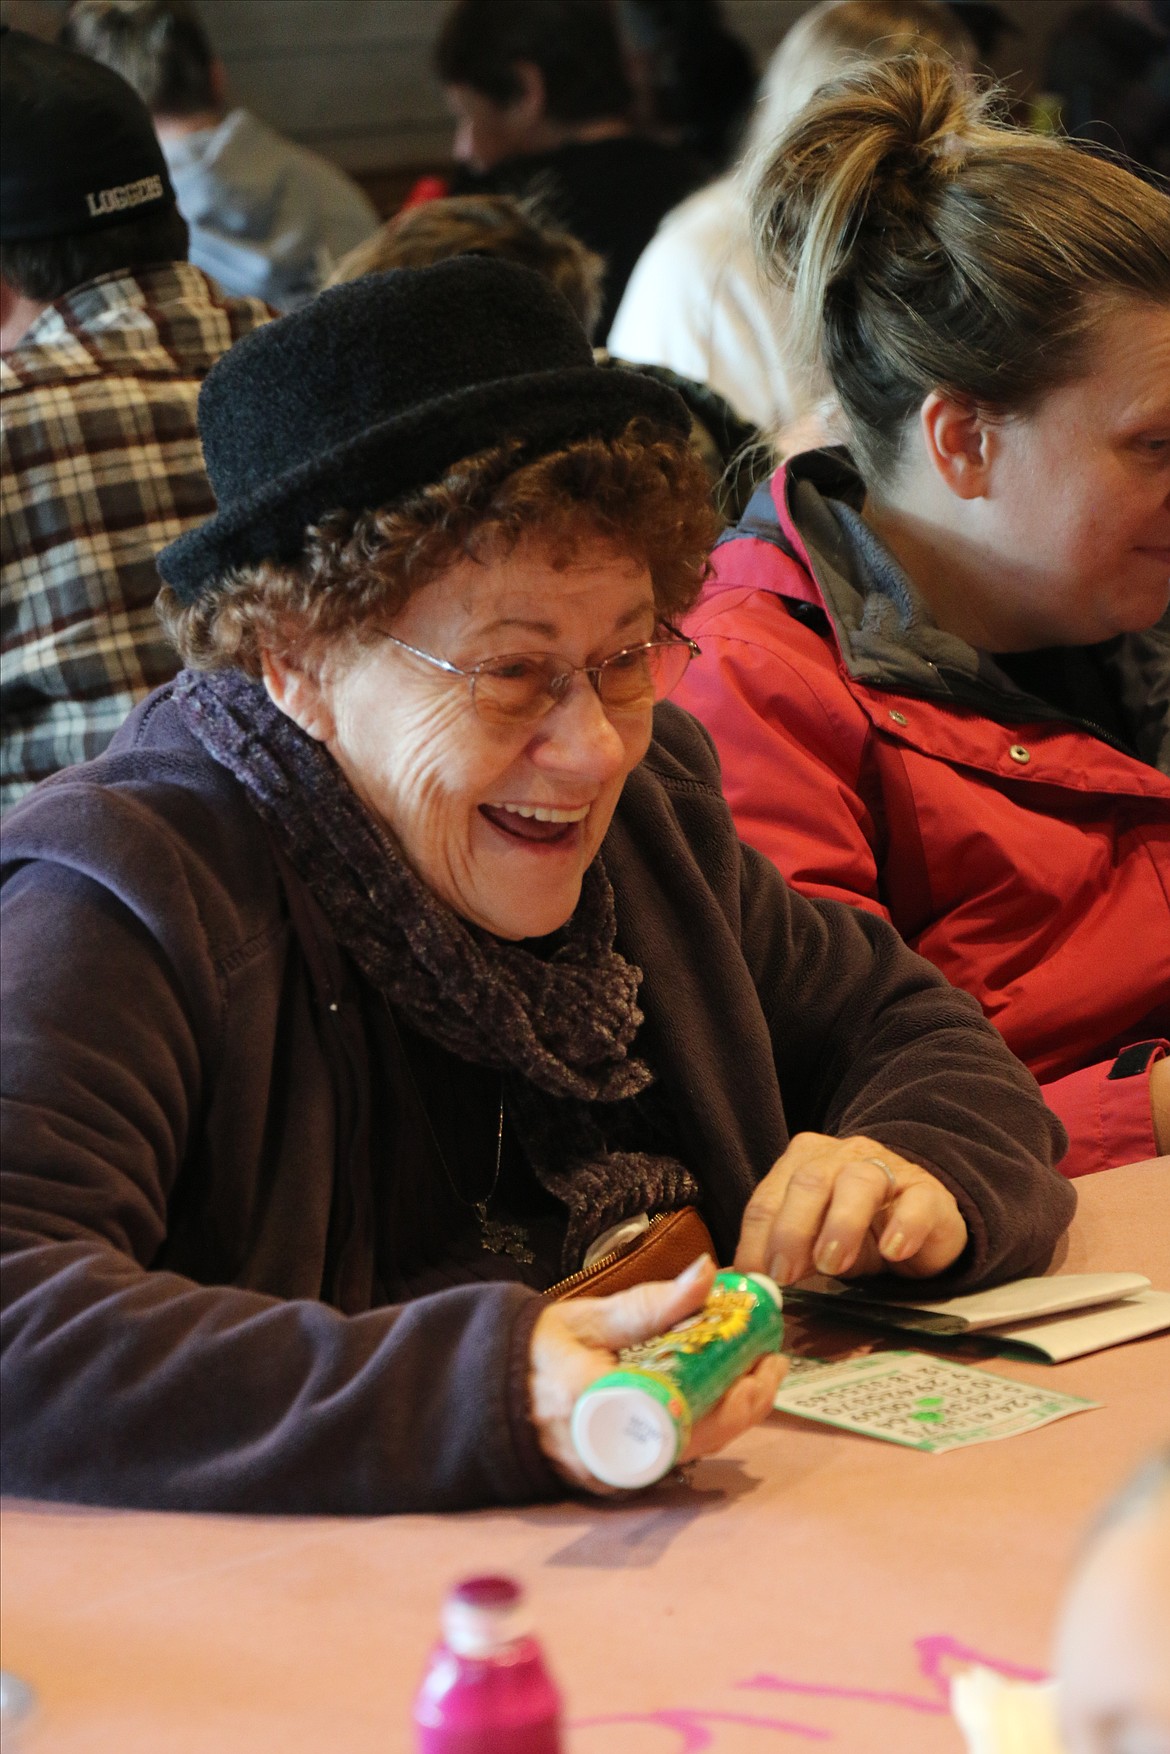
x=486 y=1689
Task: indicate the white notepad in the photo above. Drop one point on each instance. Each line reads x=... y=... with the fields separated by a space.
x=1055 y=1318
x=1078 y=1332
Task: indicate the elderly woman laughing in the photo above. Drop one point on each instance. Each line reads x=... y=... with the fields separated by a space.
x=401 y=948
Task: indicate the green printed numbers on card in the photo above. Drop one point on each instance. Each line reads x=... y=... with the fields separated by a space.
x=923 y=1402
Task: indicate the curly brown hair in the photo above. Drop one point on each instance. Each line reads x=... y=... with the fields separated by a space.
x=643 y=493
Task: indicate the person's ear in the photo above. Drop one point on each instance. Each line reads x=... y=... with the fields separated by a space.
x=9 y=300
x=959 y=442
x=529 y=108
x=300 y=694
x=18 y=313
x=217 y=80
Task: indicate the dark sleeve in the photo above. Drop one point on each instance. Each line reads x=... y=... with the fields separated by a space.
x=126 y=1384
x=869 y=1038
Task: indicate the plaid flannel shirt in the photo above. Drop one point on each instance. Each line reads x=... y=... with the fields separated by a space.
x=100 y=466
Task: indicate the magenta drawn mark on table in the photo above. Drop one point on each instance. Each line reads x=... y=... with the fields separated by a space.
x=692 y=1726
x=932 y=1653
x=697 y=1726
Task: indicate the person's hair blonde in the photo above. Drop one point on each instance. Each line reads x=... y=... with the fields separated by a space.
x=644 y=494
x=925 y=245
x=829 y=40
x=482 y=225
x=837 y=37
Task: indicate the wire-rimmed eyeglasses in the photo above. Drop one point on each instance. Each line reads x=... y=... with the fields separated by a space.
x=517 y=688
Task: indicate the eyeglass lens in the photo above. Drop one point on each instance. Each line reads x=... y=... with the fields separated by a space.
x=524 y=686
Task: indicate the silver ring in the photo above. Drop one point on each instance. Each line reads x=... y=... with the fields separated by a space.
x=889 y=1175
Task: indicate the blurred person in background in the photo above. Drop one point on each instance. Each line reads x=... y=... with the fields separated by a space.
x=696 y=302
x=937 y=664
x=987 y=24
x=1108 y=64
x=694 y=80
x=544 y=110
x=107 y=333
x=1113 y=1638
x=500 y=225
x=268 y=218
x=1110 y=1687
x=482 y=225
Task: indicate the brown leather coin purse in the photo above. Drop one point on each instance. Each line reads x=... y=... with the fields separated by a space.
x=672 y=1242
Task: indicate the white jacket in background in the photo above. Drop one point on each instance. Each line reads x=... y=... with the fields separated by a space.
x=696 y=304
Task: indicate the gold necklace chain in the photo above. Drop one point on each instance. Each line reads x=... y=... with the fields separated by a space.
x=497 y=1236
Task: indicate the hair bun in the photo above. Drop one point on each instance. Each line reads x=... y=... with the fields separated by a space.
x=930 y=113
x=853 y=185
x=903 y=219
x=870 y=146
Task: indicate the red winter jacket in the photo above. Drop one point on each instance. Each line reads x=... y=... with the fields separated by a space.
x=881 y=762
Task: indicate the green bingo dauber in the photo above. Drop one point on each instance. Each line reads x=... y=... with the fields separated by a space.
x=630 y=1426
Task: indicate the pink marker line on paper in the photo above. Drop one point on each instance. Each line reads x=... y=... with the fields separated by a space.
x=691 y=1725
x=931 y=1651
x=698 y=1728
x=860 y=1695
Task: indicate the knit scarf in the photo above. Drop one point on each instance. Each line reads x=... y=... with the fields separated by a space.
x=560 y=1027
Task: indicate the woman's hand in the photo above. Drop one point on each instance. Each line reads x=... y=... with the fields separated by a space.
x=574 y=1343
x=829 y=1206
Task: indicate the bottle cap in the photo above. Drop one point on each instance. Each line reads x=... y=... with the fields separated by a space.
x=770 y=1286
x=625 y=1435
x=482 y=1615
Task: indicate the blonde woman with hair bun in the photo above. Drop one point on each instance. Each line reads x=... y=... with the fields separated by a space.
x=696 y=302
x=937 y=663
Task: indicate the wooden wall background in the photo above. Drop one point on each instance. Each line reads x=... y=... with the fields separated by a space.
x=352 y=78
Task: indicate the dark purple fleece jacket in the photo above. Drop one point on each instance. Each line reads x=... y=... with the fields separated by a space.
x=191 y=1317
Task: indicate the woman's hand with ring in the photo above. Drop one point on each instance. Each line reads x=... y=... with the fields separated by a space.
x=575 y=1342
x=848 y=1207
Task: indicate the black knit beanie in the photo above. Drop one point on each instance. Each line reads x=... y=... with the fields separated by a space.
x=378 y=387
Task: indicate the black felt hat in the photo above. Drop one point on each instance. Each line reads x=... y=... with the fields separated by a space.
x=377 y=388
x=77 y=147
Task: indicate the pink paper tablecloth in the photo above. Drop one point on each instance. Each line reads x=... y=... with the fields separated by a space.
x=808 y=1589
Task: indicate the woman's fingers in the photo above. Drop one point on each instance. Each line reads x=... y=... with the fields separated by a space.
x=642 y=1311
x=845 y=1207
x=868 y=1226
x=755 y=1251
x=784 y=1217
x=859 y=1190
x=574 y=1343
x=800 y=1218
x=812 y=1210
x=560 y=1366
x=924 y=1231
